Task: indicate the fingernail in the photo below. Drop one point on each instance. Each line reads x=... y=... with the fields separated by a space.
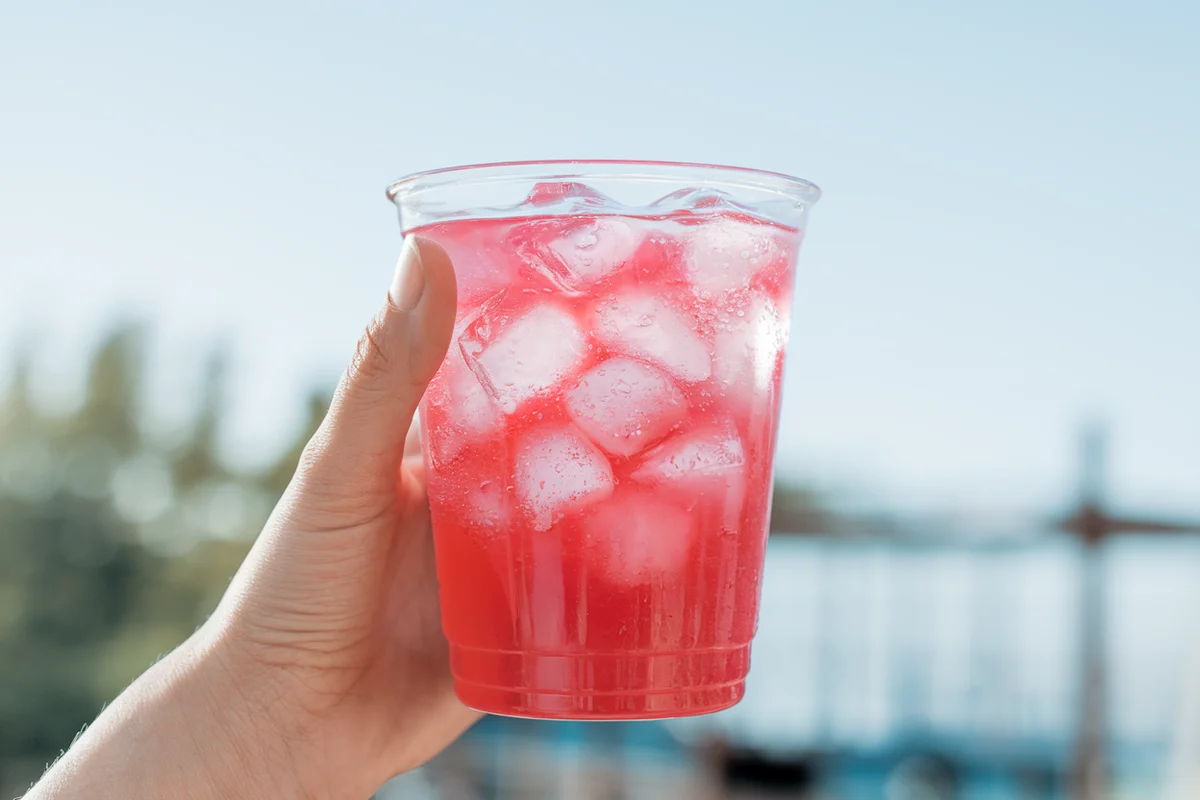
x=409 y=281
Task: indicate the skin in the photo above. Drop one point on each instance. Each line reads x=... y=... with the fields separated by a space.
x=323 y=671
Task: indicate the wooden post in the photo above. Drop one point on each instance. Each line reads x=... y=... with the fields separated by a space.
x=1089 y=776
x=1094 y=525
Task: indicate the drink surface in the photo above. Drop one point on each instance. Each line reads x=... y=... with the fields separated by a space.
x=600 y=443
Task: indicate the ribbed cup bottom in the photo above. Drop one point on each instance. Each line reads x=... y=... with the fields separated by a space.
x=614 y=686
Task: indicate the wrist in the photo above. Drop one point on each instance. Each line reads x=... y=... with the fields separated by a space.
x=262 y=736
x=245 y=743
x=194 y=725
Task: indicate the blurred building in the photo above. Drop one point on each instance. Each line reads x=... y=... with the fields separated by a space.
x=936 y=669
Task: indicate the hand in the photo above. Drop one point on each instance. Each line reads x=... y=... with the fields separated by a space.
x=324 y=670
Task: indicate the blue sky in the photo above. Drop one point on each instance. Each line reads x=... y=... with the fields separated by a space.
x=1008 y=242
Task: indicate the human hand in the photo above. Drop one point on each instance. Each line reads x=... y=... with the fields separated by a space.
x=323 y=671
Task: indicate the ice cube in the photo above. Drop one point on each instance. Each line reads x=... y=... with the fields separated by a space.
x=700 y=460
x=489 y=505
x=548 y=194
x=747 y=349
x=705 y=467
x=724 y=254
x=682 y=201
x=527 y=357
x=558 y=472
x=637 y=537
x=624 y=405
x=466 y=414
x=659 y=258
x=645 y=326
x=482 y=264
x=575 y=256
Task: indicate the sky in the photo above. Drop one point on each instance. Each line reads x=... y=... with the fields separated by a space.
x=1007 y=246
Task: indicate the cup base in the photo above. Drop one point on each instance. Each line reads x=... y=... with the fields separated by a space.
x=600 y=686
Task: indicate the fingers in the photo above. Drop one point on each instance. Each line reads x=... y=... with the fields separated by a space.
x=362 y=440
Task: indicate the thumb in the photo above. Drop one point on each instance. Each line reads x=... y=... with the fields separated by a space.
x=356 y=453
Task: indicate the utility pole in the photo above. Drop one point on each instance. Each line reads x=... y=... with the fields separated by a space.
x=1090 y=778
x=1094 y=525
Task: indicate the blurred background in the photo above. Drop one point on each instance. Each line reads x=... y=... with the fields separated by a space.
x=984 y=576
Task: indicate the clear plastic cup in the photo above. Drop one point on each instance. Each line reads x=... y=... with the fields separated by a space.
x=600 y=439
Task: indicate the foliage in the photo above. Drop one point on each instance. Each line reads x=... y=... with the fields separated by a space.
x=113 y=546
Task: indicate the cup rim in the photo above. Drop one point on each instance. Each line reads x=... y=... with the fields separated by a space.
x=746 y=177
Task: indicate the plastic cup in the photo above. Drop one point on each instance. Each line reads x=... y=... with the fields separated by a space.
x=599 y=442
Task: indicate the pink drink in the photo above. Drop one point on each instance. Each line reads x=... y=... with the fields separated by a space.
x=600 y=445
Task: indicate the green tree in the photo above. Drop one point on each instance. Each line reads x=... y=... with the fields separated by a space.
x=94 y=587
